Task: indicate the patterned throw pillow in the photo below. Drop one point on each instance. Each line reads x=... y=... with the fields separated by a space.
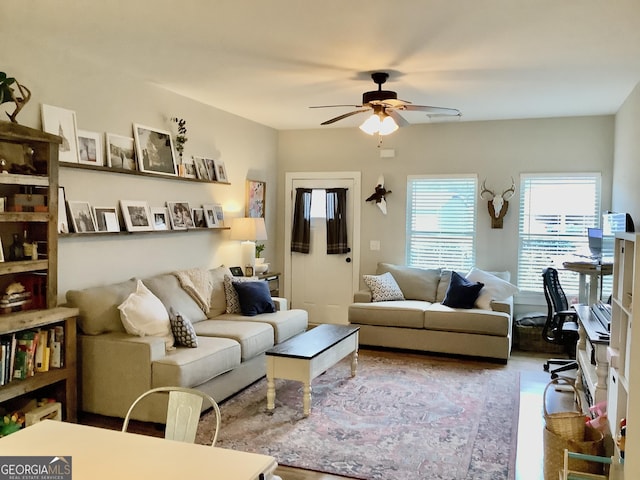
x=233 y=302
x=183 y=330
x=383 y=287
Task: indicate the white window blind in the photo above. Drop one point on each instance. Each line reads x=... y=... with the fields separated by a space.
x=555 y=212
x=441 y=222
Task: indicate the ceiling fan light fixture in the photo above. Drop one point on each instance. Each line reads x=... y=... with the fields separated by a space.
x=371 y=125
x=388 y=126
x=379 y=123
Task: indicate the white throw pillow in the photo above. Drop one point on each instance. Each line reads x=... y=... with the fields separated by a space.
x=142 y=314
x=383 y=287
x=494 y=288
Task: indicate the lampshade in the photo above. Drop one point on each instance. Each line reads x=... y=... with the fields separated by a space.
x=379 y=122
x=249 y=230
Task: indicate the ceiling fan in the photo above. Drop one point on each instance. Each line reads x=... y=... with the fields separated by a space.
x=384 y=105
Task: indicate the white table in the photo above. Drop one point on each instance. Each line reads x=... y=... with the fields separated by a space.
x=101 y=454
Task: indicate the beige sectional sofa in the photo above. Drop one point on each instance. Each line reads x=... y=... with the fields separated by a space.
x=421 y=322
x=116 y=366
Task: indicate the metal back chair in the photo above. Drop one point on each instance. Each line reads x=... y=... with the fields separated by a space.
x=183 y=412
x=561 y=326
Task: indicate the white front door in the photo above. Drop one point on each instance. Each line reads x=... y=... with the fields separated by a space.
x=319 y=283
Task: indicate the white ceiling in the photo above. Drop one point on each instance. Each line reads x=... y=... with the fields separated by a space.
x=269 y=60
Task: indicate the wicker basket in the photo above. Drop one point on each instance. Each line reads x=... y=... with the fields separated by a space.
x=570 y=425
x=590 y=443
x=529 y=339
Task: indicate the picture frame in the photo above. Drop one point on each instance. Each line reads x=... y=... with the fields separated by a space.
x=248 y=271
x=221 y=172
x=90 y=149
x=201 y=168
x=120 y=152
x=189 y=168
x=154 y=150
x=63 y=220
x=82 y=217
x=217 y=209
x=255 y=203
x=210 y=216
x=62 y=122
x=106 y=219
x=211 y=169
x=236 y=271
x=198 y=217
x=180 y=215
x=136 y=215
x=160 y=218
x=1 y=252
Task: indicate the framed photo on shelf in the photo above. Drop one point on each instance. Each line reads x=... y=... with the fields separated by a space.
x=90 y=148
x=106 y=219
x=63 y=221
x=120 y=152
x=221 y=172
x=180 y=215
x=1 y=252
x=217 y=209
x=210 y=216
x=82 y=217
x=211 y=168
x=62 y=122
x=198 y=217
x=201 y=168
x=189 y=167
x=160 y=217
x=154 y=150
x=256 y=197
x=136 y=214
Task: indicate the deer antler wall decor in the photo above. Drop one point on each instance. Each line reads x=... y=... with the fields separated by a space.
x=497 y=204
x=8 y=94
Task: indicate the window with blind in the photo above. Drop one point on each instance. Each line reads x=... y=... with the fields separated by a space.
x=555 y=212
x=441 y=221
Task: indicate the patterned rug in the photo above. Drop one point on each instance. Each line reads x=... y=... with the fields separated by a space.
x=404 y=416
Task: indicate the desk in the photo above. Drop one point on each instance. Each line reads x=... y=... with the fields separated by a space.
x=101 y=454
x=586 y=293
x=591 y=346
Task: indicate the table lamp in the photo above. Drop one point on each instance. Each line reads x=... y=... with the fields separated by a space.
x=248 y=230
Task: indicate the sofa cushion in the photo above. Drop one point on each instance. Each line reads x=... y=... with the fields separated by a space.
x=254 y=298
x=285 y=323
x=142 y=314
x=402 y=313
x=383 y=287
x=494 y=287
x=182 y=330
x=415 y=283
x=461 y=293
x=99 y=306
x=484 y=322
x=218 y=297
x=254 y=337
x=190 y=367
x=167 y=288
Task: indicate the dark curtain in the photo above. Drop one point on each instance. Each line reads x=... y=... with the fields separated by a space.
x=301 y=232
x=337 y=221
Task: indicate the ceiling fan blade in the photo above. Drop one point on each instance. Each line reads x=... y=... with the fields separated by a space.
x=399 y=119
x=432 y=110
x=331 y=106
x=333 y=120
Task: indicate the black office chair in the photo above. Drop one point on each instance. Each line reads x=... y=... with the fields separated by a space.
x=561 y=327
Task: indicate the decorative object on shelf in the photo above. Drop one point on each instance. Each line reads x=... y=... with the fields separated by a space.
x=201 y=168
x=15 y=298
x=259 y=249
x=255 y=198
x=160 y=217
x=62 y=122
x=188 y=168
x=63 y=221
x=217 y=208
x=16 y=249
x=211 y=169
x=136 y=214
x=154 y=150
x=8 y=94
x=379 y=195
x=248 y=271
x=198 y=217
x=221 y=171
x=1 y=252
x=210 y=216
x=497 y=204
x=82 y=217
x=106 y=219
x=121 y=152
x=90 y=148
x=180 y=215
x=181 y=138
x=248 y=230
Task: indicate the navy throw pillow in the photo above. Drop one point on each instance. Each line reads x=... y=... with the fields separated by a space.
x=461 y=292
x=254 y=297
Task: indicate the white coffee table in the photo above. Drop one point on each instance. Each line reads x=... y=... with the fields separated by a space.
x=305 y=356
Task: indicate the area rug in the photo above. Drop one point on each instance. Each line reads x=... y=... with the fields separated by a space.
x=403 y=416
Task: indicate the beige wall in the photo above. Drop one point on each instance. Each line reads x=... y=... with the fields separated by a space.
x=107 y=101
x=626 y=194
x=496 y=150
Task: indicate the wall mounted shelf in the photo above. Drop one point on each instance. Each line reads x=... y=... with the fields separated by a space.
x=146 y=232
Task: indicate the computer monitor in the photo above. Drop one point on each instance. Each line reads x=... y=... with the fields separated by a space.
x=595 y=241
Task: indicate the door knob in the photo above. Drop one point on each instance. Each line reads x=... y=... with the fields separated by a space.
x=348 y=260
